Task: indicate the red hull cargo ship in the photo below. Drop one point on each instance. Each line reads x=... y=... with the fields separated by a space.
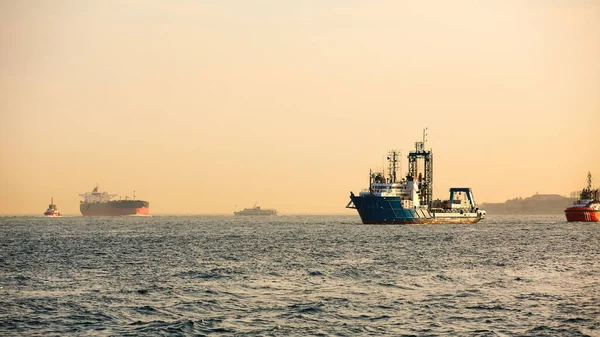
x=587 y=207
x=100 y=204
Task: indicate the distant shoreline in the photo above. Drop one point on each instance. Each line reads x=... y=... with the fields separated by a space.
x=536 y=204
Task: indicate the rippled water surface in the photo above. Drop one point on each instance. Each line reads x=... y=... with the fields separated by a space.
x=298 y=275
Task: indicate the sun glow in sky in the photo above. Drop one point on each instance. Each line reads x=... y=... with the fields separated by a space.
x=205 y=106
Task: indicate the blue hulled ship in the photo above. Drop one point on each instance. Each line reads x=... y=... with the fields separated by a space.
x=408 y=200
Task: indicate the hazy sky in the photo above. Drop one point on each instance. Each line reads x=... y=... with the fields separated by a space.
x=200 y=106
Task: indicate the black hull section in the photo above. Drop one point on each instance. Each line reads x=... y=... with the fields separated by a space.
x=120 y=207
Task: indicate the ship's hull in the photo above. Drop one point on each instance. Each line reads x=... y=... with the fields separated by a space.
x=242 y=213
x=51 y=214
x=115 y=208
x=388 y=210
x=583 y=214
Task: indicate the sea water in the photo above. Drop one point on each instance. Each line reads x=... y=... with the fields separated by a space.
x=298 y=275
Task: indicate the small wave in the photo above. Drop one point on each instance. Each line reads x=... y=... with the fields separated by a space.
x=214 y=273
x=146 y=309
x=442 y=277
x=391 y=285
x=184 y=327
x=486 y=307
x=538 y=296
x=460 y=318
x=351 y=273
x=174 y=328
x=544 y=330
x=307 y=308
x=576 y=320
x=467 y=293
x=87 y=318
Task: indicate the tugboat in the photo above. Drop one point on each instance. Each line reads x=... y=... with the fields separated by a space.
x=52 y=209
x=409 y=200
x=587 y=207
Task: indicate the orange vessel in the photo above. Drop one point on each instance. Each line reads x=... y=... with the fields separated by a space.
x=52 y=209
x=587 y=207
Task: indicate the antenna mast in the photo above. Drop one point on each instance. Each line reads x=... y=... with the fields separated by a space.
x=589 y=187
x=393 y=160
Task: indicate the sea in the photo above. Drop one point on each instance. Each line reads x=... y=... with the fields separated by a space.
x=297 y=275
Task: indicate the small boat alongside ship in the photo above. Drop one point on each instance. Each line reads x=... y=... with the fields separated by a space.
x=97 y=203
x=256 y=211
x=52 y=209
x=587 y=207
x=409 y=200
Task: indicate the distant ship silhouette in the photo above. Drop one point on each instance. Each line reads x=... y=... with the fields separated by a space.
x=255 y=211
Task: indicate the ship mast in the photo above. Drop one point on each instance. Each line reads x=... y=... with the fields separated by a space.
x=589 y=186
x=393 y=160
x=426 y=181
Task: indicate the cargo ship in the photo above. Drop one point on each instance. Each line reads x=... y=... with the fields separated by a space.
x=255 y=211
x=409 y=200
x=97 y=203
x=52 y=209
x=587 y=207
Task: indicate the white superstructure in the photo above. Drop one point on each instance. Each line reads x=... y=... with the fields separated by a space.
x=96 y=197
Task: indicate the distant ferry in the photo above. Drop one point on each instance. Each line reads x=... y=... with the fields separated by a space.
x=587 y=207
x=409 y=200
x=100 y=203
x=255 y=211
x=52 y=209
